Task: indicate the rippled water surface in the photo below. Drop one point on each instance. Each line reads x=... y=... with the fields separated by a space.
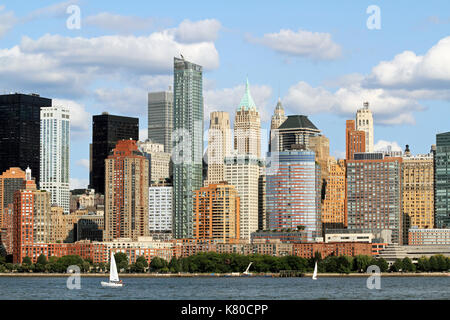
x=227 y=288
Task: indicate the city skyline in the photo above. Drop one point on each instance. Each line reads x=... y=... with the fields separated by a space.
x=326 y=85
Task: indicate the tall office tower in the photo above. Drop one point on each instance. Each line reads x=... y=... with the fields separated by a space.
x=160 y=118
x=31 y=219
x=333 y=207
x=355 y=141
x=295 y=132
x=55 y=155
x=364 y=122
x=243 y=171
x=159 y=161
x=293 y=192
x=160 y=204
x=20 y=131
x=187 y=148
x=321 y=147
x=126 y=193
x=374 y=194
x=442 y=182
x=216 y=213
x=106 y=131
x=277 y=120
x=418 y=192
x=219 y=146
x=247 y=126
x=10 y=181
x=262 y=216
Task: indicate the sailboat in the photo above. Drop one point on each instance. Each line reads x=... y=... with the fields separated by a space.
x=246 y=273
x=114 y=281
x=314 y=277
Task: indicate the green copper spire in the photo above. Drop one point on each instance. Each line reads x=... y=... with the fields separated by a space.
x=247 y=102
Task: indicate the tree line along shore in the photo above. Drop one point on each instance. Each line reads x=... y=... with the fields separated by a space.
x=217 y=264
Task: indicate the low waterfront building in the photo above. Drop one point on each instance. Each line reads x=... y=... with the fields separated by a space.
x=423 y=237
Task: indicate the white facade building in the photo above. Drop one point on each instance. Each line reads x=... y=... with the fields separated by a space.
x=364 y=122
x=55 y=156
x=160 y=200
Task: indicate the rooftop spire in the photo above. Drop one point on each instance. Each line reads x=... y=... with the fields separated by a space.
x=247 y=102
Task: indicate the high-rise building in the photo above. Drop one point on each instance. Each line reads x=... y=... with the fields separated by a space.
x=247 y=126
x=160 y=206
x=293 y=192
x=159 y=161
x=20 y=131
x=187 y=148
x=321 y=147
x=277 y=120
x=295 y=132
x=10 y=181
x=160 y=118
x=263 y=223
x=364 y=122
x=106 y=131
x=355 y=141
x=126 y=193
x=31 y=219
x=418 y=192
x=55 y=155
x=216 y=213
x=333 y=207
x=374 y=195
x=219 y=146
x=442 y=181
x=243 y=172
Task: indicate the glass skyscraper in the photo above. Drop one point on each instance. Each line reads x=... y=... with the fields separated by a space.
x=442 y=180
x=187 y=138
x=160 y=118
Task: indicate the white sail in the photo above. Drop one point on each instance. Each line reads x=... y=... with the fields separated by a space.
x=113 y=275
x=314 y=277
x=248 y=268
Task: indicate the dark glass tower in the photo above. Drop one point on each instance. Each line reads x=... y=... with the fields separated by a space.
x=106 y=131
x=442 y=181
x=20 y=124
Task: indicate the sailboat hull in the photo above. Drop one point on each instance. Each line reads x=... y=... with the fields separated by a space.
x=111 y=284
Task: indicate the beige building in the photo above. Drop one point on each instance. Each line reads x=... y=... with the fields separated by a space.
x=243 y=172
x=418 y=192
x=42 y=216
x=219 y=146
x=159 y=160
x=364 y=122
x=321 y=146
x=277 y=120
x=62 y=226
x=333 y=207
x=247 y=126
x=126 y=193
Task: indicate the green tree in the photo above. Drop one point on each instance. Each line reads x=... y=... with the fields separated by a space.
x=174 y=265
x=42 y=259
x=121 y=261
x=27 y=261
x=361 y=263
x=423 y=264
x=156 y=264
x=396 y=266
x=408 y=265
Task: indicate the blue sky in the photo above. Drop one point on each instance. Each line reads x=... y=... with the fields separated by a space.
x=319 y=57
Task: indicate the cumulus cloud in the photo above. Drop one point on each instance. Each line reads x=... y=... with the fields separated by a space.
x=314 y=45
x=228 y=99
x=383 y=145
x=7 y=20
x=120 y=23
x=197 y=31
x=80 y=119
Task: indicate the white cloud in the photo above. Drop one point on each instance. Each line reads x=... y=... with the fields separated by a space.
x=197 y=31
x=314 y=45
x=55 y=10
x=383 y=145
x=228 y=99
x=143 y=134
x=387 y=108
x=84 y=163
x=120 y=23
x=7 y=20
x=76 y=183
x=80 y=119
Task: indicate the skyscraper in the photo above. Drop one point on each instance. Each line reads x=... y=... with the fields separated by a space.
x=295 y=132
x=442 y=174
x=374 y=195
x=160 y=118
x=10 y=181
x=159 y=161
x=277 y=120
x=187 y=148
x=355 y=141
x=247 y=126
x=364 y=122
x=293 y=192
x=55 y=155
x=20 y=131
x=126 y=193
x=106 y=131
x=333 y=207
x=219 y=146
